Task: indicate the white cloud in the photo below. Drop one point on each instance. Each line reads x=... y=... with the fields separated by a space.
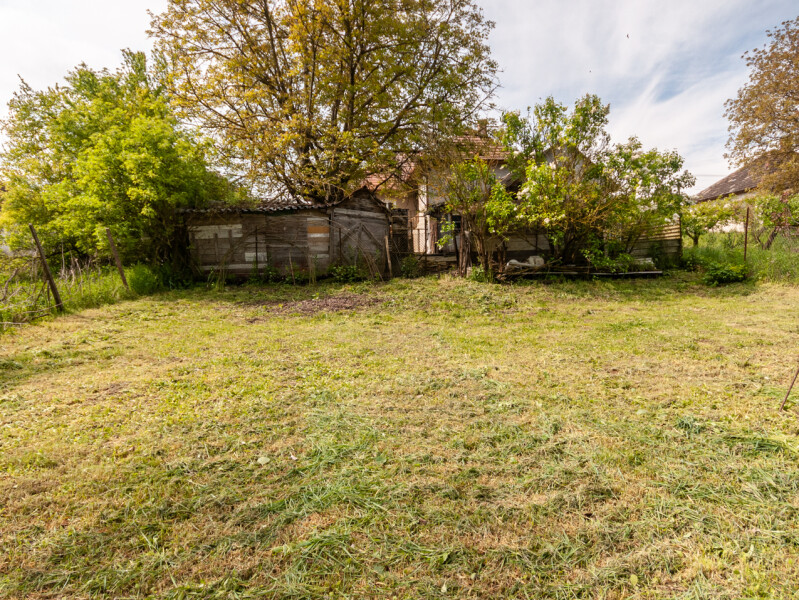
x=665 y=68
x=40 y=40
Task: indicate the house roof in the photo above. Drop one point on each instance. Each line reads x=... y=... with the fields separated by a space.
x=485 y=147
x=270 y=205
x=280 y=204
x=739 y=182
x=744 y=179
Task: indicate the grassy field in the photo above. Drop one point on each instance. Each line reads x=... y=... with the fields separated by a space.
x=418 y=439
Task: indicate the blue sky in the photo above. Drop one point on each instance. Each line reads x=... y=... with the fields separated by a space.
x=666 y=68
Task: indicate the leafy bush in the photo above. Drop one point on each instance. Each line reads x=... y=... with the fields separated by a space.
x=410 y=267
x=265 y=274
x=346 y=273
x=721 y=273
x=780 y=262
x=270 y=274
x=480 y=275
x=143 y=280
x=691 y=261
x=621 y=263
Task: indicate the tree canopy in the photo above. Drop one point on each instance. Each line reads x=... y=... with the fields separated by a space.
x=592 y=200
x=310 y=97
x=104 y=150
x=585 y=193
x=764 y=116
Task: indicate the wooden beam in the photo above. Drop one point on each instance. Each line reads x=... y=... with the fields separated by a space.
x=48 y=275
x=117 y=260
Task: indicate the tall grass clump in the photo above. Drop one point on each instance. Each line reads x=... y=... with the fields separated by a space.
x=778 y=263
x=25 y=296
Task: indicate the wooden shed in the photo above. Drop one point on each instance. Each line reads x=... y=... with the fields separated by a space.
x=291 y=235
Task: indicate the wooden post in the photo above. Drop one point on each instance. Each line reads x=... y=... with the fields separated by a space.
x=790 y=389
x=117 y=260
x=388 y=259
x=257 y=270
x=746 y=233
x=48 y=275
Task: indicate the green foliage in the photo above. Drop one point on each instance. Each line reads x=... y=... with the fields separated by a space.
x=410 y=267
x=764 y=130
x=102 y=151
x=143 y=280
x=314 y=96
x=777 y=263
x=267 y=274
x=698 y=219
x=346 y=273
x=487 y=209
x=603 y=261
x=723 y=273
x=481 y=275
x=777 y=211
x=580 y=190
x=24 y=297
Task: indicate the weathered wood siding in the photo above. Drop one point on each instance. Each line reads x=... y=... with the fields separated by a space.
x=359 y=227
x=240 y=243
x=665 y=242
x=303 y=240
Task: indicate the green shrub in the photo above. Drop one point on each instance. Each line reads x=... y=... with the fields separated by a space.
x=691 y=261
x=722 y=273
x=143 y=280
x=621 y=263
x=270 y=274
x=346 y=273
x=479 y=274
x=410 y=267
x=265 y=274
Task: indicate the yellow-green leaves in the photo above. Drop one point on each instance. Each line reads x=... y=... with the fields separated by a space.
x=763 y=116
x=103 y=150
x=313 y=96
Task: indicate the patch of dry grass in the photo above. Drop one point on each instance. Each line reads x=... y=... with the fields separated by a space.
x=423 y=439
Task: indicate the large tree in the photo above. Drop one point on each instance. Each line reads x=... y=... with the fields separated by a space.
x=103 y=150
x=764 y=116
x=310 y=97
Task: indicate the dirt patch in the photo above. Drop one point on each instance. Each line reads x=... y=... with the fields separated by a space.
x=330 y=304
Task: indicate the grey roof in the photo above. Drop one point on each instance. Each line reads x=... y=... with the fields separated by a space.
x=272 y=205
x=739 y=182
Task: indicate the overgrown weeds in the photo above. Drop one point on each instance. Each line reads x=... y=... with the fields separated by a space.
x=25 y=295
x=778 y=263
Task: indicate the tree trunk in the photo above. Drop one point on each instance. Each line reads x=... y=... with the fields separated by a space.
x=771 y=238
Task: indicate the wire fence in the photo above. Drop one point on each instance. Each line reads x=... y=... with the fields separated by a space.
x=25 y=294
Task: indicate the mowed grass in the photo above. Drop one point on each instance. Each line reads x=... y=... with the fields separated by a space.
x=431 y=439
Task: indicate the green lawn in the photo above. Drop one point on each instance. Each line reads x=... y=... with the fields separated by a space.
x=423 y=439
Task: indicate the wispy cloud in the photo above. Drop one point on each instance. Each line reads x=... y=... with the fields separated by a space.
x=665 y=68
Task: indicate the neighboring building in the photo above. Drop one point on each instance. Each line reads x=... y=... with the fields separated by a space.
x=426 y=197
x=422 y=193
x=291 y=235
x=739 y=185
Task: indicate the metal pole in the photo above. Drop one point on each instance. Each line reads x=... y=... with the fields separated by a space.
x=118 y=260
x=388 y=259
x=48 y=275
